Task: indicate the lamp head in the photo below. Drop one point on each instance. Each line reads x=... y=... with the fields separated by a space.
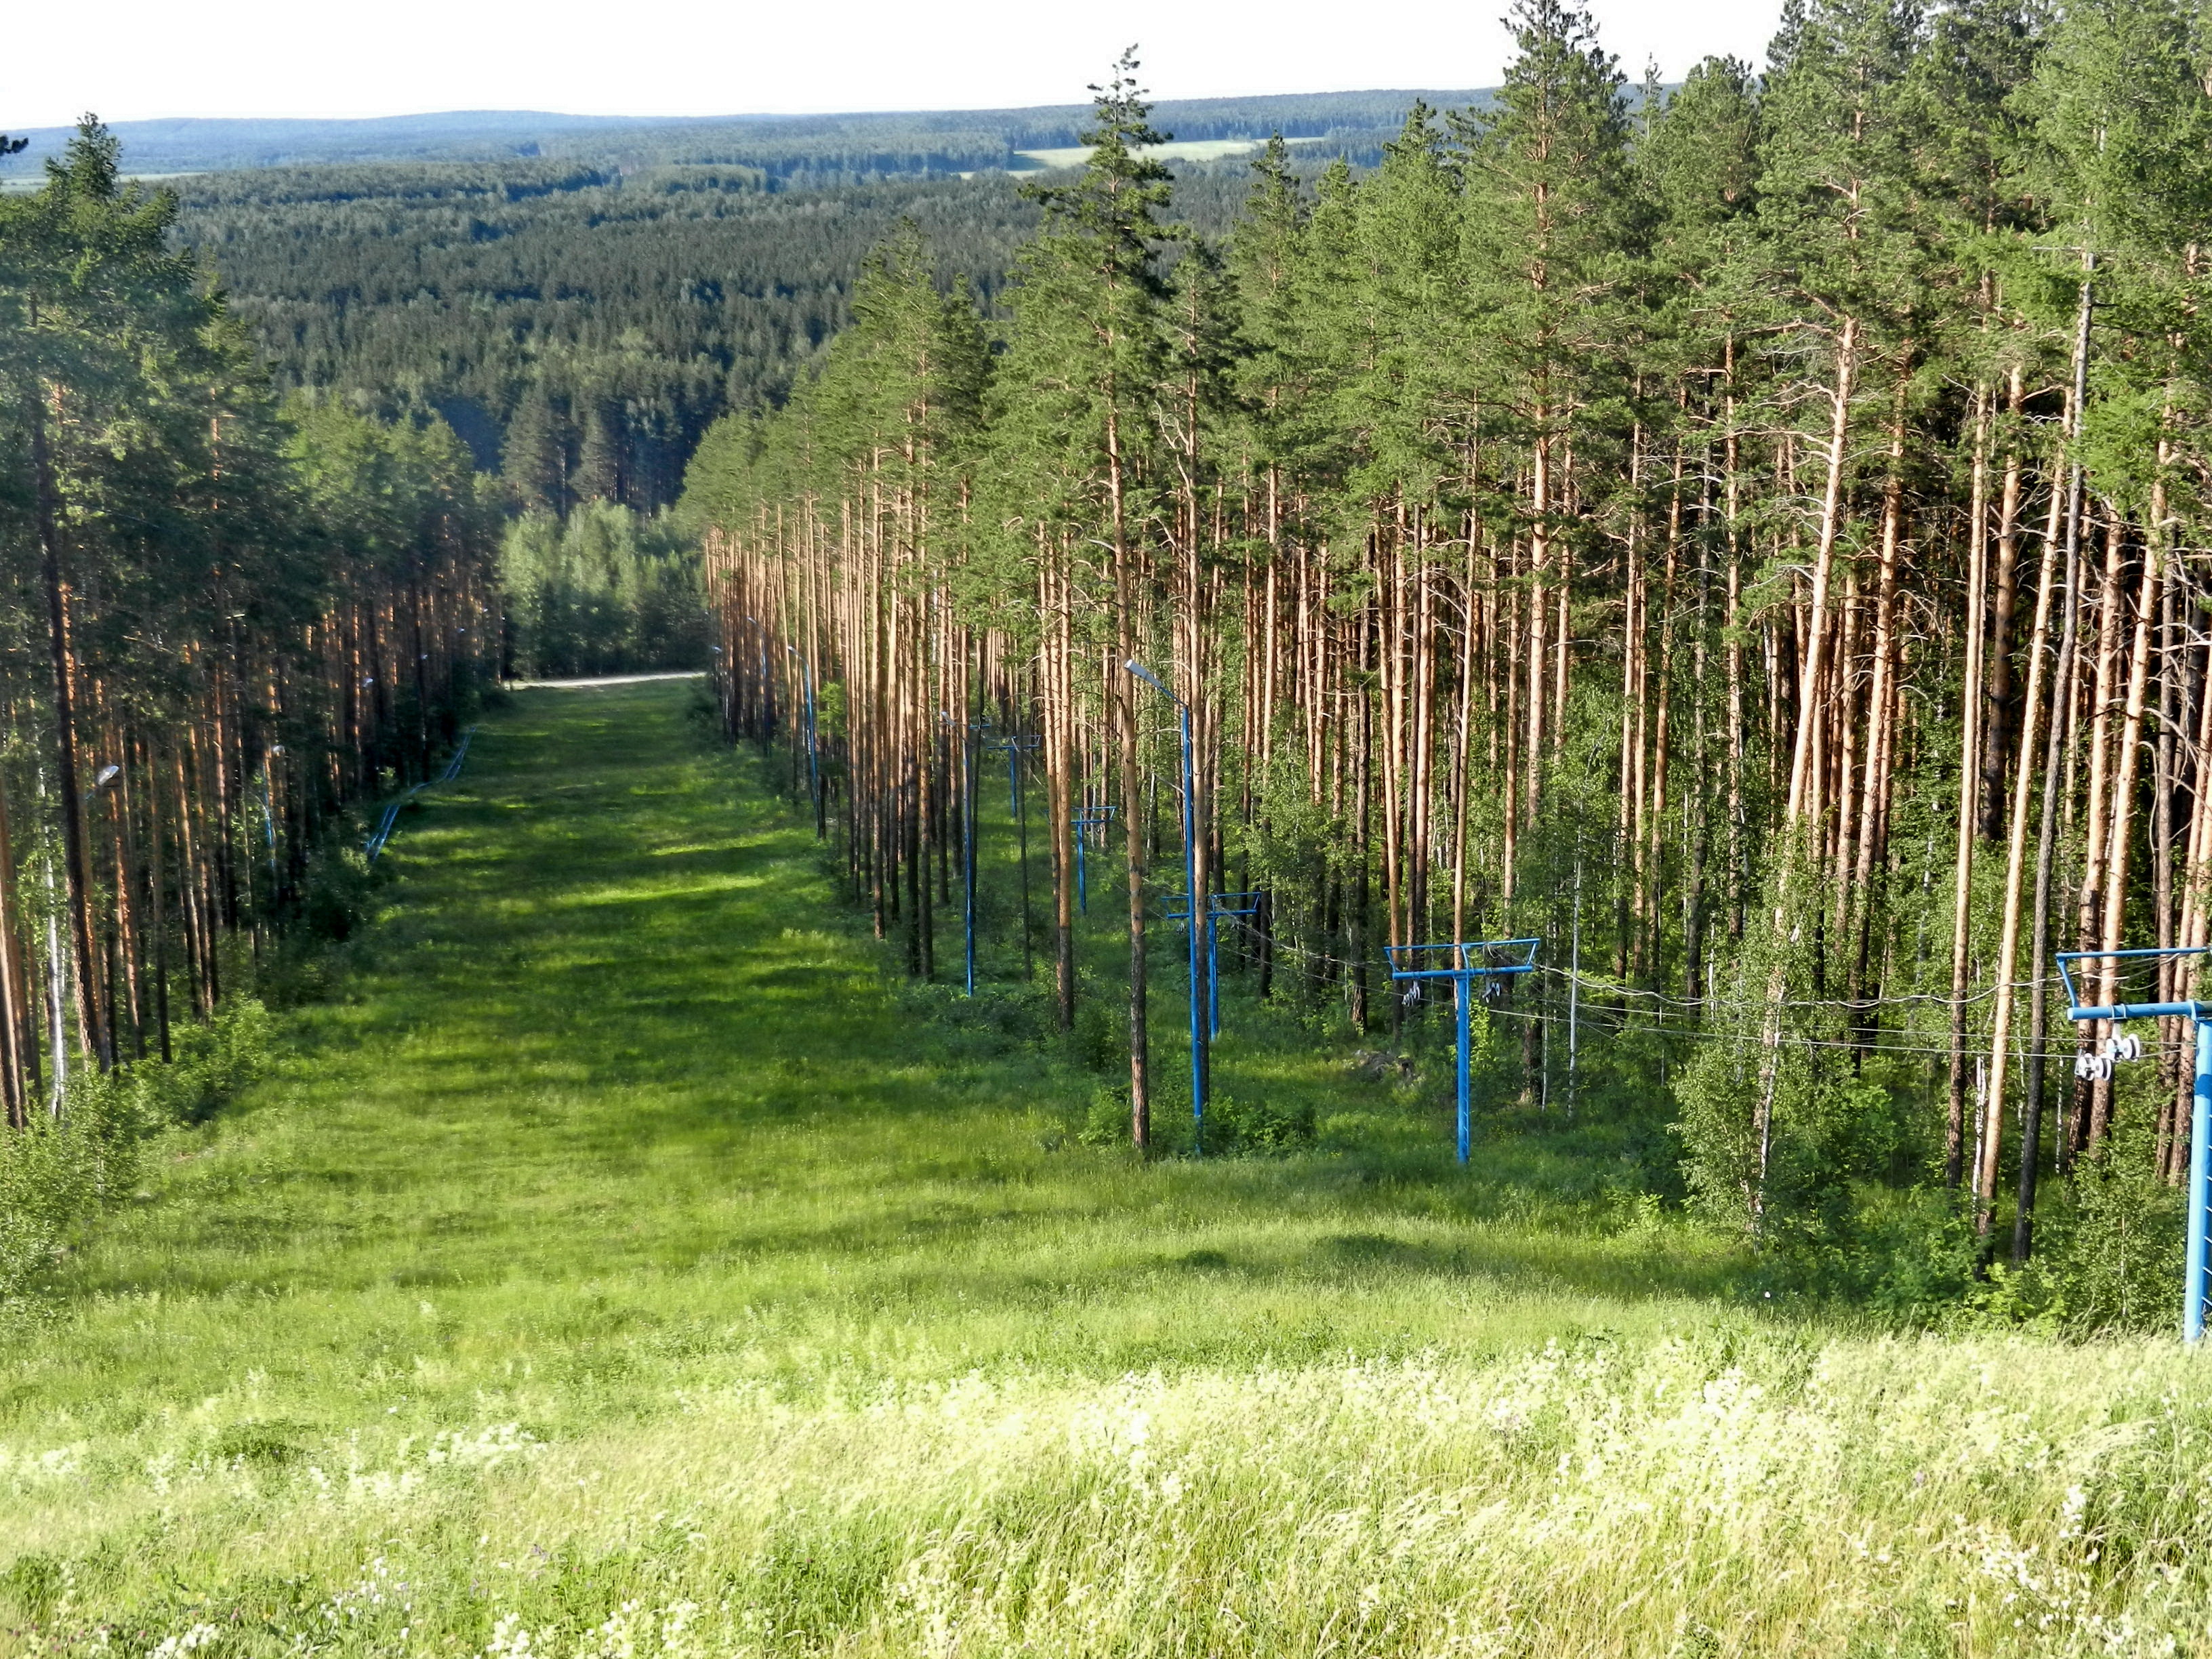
x=1148 y=677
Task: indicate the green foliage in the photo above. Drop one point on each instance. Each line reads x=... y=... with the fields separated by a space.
x=1781 y=1118
x=1249 y=1122
x=2108 y=1252
x=64 y=1169
x=609 y=591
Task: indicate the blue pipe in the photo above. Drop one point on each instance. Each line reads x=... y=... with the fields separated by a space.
x=1462 y=995
x=1190 y=886
x=968 y=851
x=2145 y=1010
x=1213 y=972
x=2194 y=1286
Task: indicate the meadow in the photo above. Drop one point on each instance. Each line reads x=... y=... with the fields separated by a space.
x=620 y=1263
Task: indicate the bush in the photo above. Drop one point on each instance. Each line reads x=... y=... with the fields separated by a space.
x=1269 y=1125
x=1909 y=1255
x=1106 y=1121
x=2108 y=1250
x=1232 y=1126
x=57 y=1173
x=212 y=1065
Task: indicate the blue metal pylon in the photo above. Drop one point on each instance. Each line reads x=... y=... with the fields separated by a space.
x=1415 y=962
x=1091 y=818
x=1198 y=1055
x=1218 y=905
x=2196 y=1273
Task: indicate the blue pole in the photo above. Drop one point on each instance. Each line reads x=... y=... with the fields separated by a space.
x=1197 y=993
x=813 y=751
x=1461 y=998
x=1212 y=975
x=968 y=851
x=1082 y=887
x=2200 y=1186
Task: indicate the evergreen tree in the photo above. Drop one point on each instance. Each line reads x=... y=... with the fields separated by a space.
x=602 y=453
x=1082 y=390
x=535 y=459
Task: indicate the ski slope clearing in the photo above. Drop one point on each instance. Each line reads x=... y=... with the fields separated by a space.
x=619 y=1267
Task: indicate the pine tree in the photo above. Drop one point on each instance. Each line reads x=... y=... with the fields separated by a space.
x=535 y=460
x=1083 y=387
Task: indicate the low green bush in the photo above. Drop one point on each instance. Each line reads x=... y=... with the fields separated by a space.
x=64 y=1167
x=1234 y=1124
x=2108 y=1250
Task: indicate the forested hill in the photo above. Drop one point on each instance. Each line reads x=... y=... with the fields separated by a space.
x=582 y=314
x=583 y=324
x=578 y=327
x=894 y=142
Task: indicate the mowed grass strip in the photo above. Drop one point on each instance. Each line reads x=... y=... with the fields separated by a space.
x=618 y=1266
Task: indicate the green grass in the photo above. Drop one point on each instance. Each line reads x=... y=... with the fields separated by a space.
x=623 y=1264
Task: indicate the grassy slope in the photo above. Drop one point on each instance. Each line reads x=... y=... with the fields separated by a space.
x=620 y=1239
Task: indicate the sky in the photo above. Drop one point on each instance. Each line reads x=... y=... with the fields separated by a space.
x=153 y=58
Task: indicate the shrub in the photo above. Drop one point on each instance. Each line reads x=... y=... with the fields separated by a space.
x=1271 y=1124
x=58 y=1172
x=212 y=1064
x=1106 y=1120
x=2108 y=1250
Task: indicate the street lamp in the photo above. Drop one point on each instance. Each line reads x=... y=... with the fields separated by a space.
x=1190 y=885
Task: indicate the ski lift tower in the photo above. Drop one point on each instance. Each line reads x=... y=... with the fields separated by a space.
x=1462 y=964
x=2098 y=1067
x=1084 y=822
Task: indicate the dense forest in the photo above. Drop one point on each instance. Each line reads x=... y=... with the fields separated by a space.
x=579 y=327
x=580 y=300
x=818 y=148
x=1745 y=538
x=223 y=622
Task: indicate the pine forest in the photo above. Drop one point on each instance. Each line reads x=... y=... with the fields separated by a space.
x=226 y=623
x=1400 y=875
x=1748 y=545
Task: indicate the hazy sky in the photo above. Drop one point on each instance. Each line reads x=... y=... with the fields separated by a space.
x=141 y=58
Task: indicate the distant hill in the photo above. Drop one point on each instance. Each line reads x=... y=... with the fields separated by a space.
x=615 y=284
x=876 y=144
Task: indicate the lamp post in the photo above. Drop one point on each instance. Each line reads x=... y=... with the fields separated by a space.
x=813 y=761
x=1190 y=885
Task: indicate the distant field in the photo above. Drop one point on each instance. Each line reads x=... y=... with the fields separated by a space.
x=624 y=1267
x=1197 y=149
